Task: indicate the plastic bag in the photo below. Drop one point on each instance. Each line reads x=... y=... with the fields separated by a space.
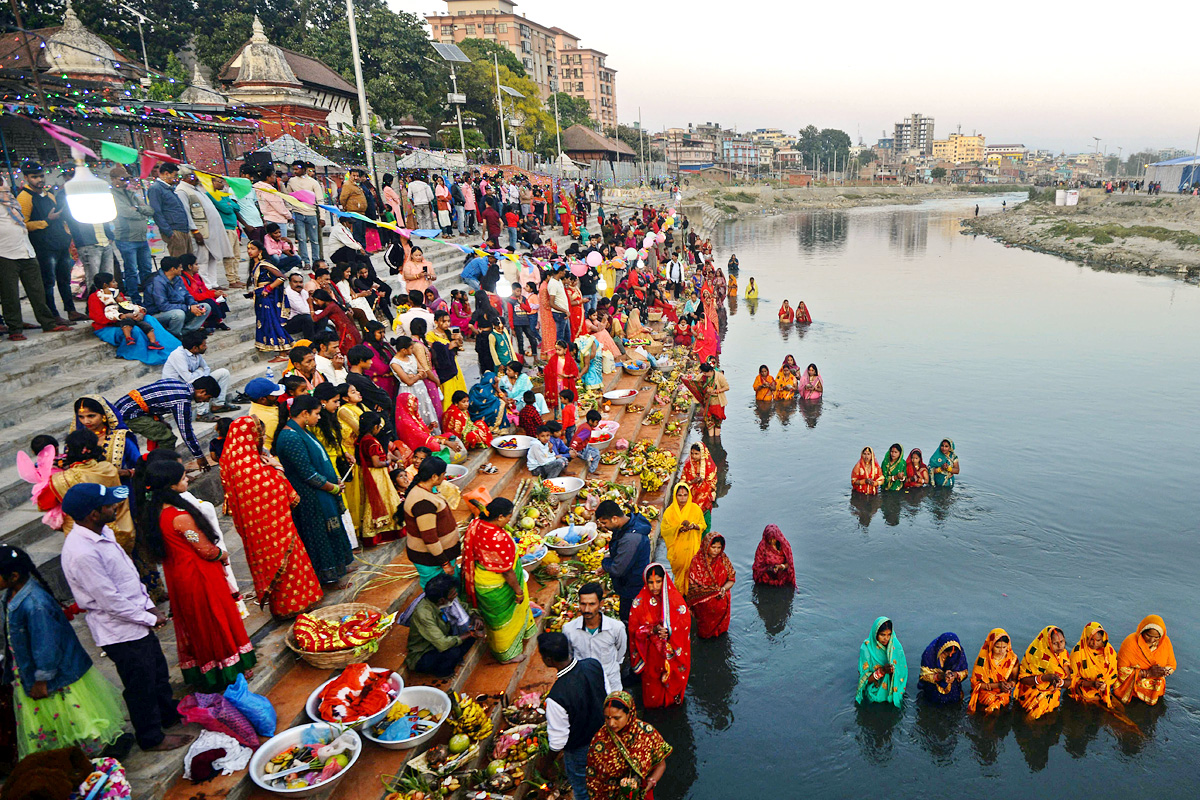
x=254 y=707
x=214 y=713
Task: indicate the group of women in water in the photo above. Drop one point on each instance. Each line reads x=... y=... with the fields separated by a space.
x=899 y=472
x=789 y=383
x=1092 y=672
x=799 y=314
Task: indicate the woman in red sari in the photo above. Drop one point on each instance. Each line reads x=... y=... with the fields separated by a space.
x=802 y=315
x=660 y=650
x=916 y=474
x=259 y=499
x=700 y=474
x=683 y=333
x=866 y=477
x=546 y=324
x=575 y=305
x=627 y=757
x=710 y=578
x=787 y=314
x=378 y=493
x=457 y=421
x=560 y=373
x=773 y=564
x=211 y=640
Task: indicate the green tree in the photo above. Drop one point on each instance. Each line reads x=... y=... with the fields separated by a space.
x=1112 y=165
x=572 y=111
x=1138 y=161
x=867 y=156
x=630 y=136
x=449 y=138
x=172 y=83
x=937 y=173
x=483 y=50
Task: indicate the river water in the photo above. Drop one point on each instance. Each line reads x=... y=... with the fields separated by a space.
x=1071 y=396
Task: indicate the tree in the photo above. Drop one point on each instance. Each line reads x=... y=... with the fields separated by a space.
x=1138 y=161
x=1112 y=165
x=867 y=156
x=174 y=80
x=631 y=136
x=483 y=50
x=572 y=111
x=450 y=140
x=937 y=173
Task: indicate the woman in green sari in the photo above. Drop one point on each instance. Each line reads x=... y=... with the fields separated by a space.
x=943 y=464
x=882 y=669
x=495 y=582
x=893 y=469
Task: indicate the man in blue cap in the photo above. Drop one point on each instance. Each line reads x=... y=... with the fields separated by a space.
x=121 y=616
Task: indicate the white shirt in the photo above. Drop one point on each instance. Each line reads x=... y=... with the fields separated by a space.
x=303 y=183
x=558 y=723
x=558 y=296
x=297 y=302
x=14 y=237
x=184 y=365
x=606 y=644
x=419 y=192
x=340 y=237
x=325 y=366
x=416 y=313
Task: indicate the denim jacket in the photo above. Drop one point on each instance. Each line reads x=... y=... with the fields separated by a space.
x=42 y=642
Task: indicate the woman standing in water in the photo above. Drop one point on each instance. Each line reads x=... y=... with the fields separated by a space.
x=773 y=564
x=943 y=669
x=660 y=647
x=1045 y=670
x=916 y=474
x=943 y=465
x=811 y=385
x=1144 y=661
x=995 y=674
x=866 y=477
x=710 y=579
x=894 y=469
x=882 y=670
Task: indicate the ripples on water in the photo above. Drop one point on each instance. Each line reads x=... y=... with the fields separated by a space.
x=1071 y=395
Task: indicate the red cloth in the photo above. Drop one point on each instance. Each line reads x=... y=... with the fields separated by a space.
x=409 y=427
x=651 y=656
x=489 y=546
x=558 y=376
x=96 y=312
x=197 y=288
x=209 y=632
x=348 y=335
x=702 y=479
x=774 y=551
x=530 y=419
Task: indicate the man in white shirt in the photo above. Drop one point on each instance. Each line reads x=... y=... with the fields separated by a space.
x=421 y=196
x=308 y=226
x=186 y=363
x=559 y=305
x=330 y=361
x=593 y=635
x=19 y=267
x=541 y=460
x=418 y=311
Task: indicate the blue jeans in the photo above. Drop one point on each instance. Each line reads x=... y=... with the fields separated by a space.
x=512 y=239
x=308 y=234
x=179 y=322
x=139 y=268
x=589 y=303
x=473 y=283
x=575 y=763
x=461 y=215
x=56 y=268
x=562 y=326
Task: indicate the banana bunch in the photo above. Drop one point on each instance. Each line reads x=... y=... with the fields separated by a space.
x=397 y=711
x=591 y=558
x=651 y=482
x=472 y=719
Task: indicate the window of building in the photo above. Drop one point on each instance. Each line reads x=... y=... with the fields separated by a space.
x=578 y=59
x=489 y=27
x=502 y=27
x=470 y=30
x=525 y=48
x=579 y=87
x=447 y=30
x=525 y=31
x=528 y=62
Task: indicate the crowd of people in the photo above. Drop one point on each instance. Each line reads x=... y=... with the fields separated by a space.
x=901 y=473
x=1092 y=672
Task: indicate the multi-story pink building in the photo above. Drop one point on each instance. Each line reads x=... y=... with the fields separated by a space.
x=582 y=73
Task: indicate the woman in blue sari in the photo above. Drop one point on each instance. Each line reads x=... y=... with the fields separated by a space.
x=943 y=464
x=485 y=404
x=266 y=282
x=591 y=361
x=882 y=669
x=515 y=383
x=943 y=669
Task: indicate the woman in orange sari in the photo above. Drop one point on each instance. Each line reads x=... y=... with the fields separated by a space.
x=866 y=477
x=260 y=500
x=764 y=385
x=995 y=674
x=660 y=647
x=457 y=421
x=785 y=380
x=787 y=314
x=710 y=578
x=1093 y=667
x=1144 y=661
x=574 y=306
x=1045 y=670
x=700 y=474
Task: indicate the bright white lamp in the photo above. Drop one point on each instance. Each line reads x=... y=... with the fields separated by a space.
x=602 y=285
x=89 y=199
x=504 y=289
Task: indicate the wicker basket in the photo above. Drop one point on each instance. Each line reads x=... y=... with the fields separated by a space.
x=337 y=659
x=655 y=348
x=654 y=315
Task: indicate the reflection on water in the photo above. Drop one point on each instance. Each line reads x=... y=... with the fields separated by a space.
x=922 y=333
x=752 y=306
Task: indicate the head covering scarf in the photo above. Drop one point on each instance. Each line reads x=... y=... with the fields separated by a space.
x=706 y=576
x=915 y=476
x=894 y=472
x=940 y=460
x=767 y=557
x=682 y=546
x=1040 y=660
x=437 y=304
x=1093 y=665
x=870 y=657
x=120 y=445
x=650 y=655
x=945 y=654
x=634 y=751
x=702 y=478
x=1136 y=655
x=989 y=670
x=409 y=427
x=866 y=472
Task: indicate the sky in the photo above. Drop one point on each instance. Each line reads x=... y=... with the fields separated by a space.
x=1010 y=72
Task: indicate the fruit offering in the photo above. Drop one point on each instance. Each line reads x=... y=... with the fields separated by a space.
x=316 y=635
x=470 y=718
x=306 y=765
x=403 y=721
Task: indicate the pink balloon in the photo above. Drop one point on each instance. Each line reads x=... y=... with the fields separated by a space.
x=594 y=258
x=578 y=269
x=644 y=254
x=670 y=212
x=661 y=237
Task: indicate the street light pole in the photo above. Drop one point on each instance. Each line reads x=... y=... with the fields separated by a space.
x=500 y=108
x=365 y=120
x=462 y=141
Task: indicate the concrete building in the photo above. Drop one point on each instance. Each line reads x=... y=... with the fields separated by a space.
x=285 y=86
x=582 y=73
x=960 y=148
x=995 y=153
x=914 y=135
x=533 y=44
x=688 y=149
x=739 y=153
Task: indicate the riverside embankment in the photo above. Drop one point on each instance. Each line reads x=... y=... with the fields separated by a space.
x=1157 y=234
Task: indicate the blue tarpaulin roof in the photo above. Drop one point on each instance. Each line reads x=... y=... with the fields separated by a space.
x=1173 y=161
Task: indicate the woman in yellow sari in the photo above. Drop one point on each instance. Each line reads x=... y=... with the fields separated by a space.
x=995 y=674
x=495 y=582
x=682 y=528
x=1045 y=670
x=348 y=415
x=1144 y=661
x=1093 y=667
x=785 y=381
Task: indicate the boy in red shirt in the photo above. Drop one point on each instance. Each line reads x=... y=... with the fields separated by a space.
x=512 y=219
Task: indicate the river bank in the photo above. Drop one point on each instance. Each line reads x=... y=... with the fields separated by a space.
x=742 y=202
x=1157 y=235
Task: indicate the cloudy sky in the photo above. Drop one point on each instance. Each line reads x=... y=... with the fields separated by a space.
x=1011 y=72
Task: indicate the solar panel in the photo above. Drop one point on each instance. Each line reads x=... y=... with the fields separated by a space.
x=450 y=52
x=511 y=92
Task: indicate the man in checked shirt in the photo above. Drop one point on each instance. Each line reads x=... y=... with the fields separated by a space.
x=145 y=411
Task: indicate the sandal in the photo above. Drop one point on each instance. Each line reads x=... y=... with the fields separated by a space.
x=129 y=341
x=150 y=346
x=488 y=469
